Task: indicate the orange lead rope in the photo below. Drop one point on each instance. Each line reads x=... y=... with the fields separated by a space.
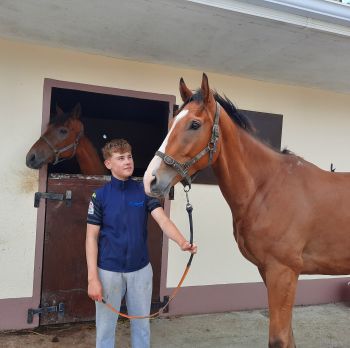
x=189 y=210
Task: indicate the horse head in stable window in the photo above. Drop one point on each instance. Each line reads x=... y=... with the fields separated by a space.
x=289 y=216
x=63 y=139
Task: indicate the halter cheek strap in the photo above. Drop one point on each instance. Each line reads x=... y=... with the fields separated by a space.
x=57 y=152
x=183 y=168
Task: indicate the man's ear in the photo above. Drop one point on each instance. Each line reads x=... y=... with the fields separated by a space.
x=108 y=164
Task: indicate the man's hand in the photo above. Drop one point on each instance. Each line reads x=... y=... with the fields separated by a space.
x=95 y=290
x=186 y=246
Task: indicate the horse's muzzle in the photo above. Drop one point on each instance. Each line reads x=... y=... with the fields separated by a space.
x=159 y=189
x=33 y=161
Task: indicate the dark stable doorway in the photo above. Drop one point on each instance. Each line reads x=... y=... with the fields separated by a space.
x=142 y=122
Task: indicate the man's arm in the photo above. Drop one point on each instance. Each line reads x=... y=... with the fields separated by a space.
x=91 y=246
x=169 y=228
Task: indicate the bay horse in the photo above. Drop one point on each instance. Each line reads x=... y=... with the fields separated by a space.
x=63 y=139
x=289 y=216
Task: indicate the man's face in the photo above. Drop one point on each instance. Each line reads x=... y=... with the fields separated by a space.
x=121 y=165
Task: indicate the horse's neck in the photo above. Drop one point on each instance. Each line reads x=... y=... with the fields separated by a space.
x=88 y=159
x=244 y=165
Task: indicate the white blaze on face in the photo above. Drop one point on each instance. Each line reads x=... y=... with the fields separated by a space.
x=156 y=161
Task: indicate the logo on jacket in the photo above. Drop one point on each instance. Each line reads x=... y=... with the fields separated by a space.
x=91 y=208
x=136 y=204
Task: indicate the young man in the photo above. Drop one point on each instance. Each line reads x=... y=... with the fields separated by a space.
x=116 y=247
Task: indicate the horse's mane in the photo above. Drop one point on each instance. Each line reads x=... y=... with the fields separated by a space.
x=238 y=118
x=286 y=151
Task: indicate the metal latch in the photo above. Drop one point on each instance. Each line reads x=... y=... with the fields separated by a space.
x=59 y=309
x=53 y=196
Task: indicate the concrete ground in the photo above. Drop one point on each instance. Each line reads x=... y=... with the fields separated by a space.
x=325 y=326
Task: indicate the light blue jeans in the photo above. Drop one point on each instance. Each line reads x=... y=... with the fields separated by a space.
x=137 y=288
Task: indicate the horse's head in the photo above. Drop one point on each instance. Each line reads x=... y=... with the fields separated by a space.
x=191 y=143
x=59 y=141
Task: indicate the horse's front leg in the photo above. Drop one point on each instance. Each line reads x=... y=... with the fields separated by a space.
x=281 y=282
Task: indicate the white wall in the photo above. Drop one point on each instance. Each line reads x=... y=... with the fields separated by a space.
x=316 y=125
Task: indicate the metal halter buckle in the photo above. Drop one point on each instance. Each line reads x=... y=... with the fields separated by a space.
x=169 y=160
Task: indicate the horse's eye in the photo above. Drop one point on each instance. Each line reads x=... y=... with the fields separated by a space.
x=63 y=131
x=195 y=125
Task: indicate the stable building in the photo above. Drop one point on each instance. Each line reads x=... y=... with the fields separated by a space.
x=284 y=66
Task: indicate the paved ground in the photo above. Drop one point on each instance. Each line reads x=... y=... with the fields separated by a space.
x=324 y=326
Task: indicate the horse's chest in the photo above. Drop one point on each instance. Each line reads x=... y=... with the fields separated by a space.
x=246 y=246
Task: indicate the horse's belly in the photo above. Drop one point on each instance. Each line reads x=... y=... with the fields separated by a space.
x=335 y=260
x=325 y=268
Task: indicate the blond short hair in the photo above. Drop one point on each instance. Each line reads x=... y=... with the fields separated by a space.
x=115 y=145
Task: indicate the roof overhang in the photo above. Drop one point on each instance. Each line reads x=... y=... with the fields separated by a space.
x=296 y=42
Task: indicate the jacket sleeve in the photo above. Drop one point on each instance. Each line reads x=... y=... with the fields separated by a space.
x=152 y=203
x=94 y=215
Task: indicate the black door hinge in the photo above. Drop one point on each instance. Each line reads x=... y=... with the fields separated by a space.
x=32 y=311
x=53 y=196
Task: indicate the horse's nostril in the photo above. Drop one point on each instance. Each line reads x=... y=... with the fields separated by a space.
x=31 y=160
x=154 y=181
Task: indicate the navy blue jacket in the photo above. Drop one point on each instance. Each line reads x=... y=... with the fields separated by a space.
x=121 y=210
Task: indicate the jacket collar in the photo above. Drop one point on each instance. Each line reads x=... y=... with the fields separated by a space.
x=119 y=184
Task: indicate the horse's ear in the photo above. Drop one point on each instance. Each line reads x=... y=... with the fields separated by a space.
x=59 y=111
x=205 y=89
x=76 y=111
x=185 y=92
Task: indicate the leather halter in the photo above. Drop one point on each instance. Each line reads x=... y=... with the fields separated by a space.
x=57 y=152
x=183 y=168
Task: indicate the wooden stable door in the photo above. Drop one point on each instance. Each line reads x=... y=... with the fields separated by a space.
x=64 y=279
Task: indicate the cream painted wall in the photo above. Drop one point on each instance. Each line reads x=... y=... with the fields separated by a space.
x=316 y=125
x=218 y=260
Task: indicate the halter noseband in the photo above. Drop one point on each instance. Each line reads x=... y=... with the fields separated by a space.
x=57 y=152
x=183 y=168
